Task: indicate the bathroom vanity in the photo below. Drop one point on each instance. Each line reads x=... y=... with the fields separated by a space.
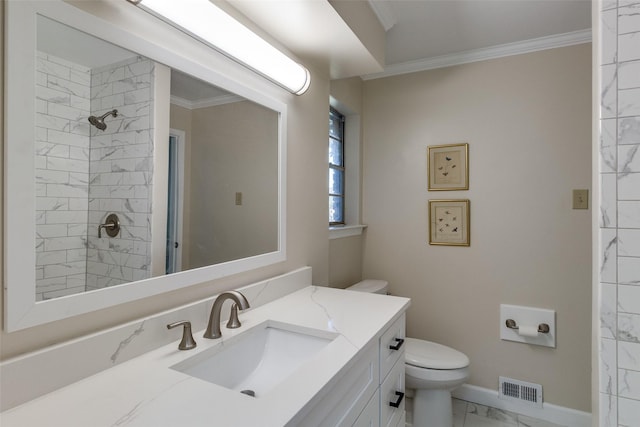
x=334 y=357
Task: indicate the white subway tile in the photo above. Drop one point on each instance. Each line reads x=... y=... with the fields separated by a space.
x=629 y=75
x=60 y=270
x=629 y=19
x=64 y=292
x=46 y=176
x=66 y=138
x=52 y=149
x=628 y=328
x=628 y=384
x=66 y=112
x=51 y=230
x=77 y=230
x=52 y=203
x=50 y=122
x=67 y=86
x=79 y=153
x=69 y=165
x=51 y=69
x=629 y=47
x=51 y=284
x=52 y=95
x=50 y=257
x=629 y=102
x=65 y=217
x=629 y=214
x=80 y=77
x=629 y=355
x=629 y=187
x=629 y=270
x=628 y=412
x=629 y=299
x=629 y=242
x=629 y=130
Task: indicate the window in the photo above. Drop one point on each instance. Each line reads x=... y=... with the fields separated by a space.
x=336 y=168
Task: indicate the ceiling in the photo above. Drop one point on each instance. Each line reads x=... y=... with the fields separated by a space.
x=421 y=34
x=424 y=29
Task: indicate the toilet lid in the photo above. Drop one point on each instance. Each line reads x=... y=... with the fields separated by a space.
x=430 y=355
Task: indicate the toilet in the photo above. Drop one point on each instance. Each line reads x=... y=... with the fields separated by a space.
x=432 y=370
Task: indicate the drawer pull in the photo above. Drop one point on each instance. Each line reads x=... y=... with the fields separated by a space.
x=397 y=402
x=399 y=342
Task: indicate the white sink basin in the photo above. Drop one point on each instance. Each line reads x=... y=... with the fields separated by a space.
x=257 y=360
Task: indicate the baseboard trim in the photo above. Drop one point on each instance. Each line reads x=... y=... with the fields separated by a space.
x=549 y=412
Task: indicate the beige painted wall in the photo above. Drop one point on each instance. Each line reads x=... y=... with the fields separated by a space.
x=234 y=148
x=527 y=120
x=307 y=242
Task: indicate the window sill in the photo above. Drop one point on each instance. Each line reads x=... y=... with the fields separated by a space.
x=345 y=231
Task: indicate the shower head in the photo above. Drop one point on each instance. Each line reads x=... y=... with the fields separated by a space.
x=99 y=121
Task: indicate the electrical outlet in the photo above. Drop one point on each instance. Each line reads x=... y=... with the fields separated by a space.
x=580 y=199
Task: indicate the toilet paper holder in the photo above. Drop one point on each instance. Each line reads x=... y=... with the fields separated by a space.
x=543 y=328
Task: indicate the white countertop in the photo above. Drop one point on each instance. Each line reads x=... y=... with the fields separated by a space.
x=145 y=391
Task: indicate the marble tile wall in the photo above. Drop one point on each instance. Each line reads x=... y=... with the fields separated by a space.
x=121 y=168
x=619 y=213
x=62 y=175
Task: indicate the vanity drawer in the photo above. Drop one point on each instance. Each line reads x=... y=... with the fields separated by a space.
x=392 y=346
x=370 y=416
x=342 y=404
x=392 y=396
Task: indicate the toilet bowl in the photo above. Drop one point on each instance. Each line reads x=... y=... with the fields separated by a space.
x=432 y=370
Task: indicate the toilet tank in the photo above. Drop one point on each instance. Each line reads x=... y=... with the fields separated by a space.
x=371 y=286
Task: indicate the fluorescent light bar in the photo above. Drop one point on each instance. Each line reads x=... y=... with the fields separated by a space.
x=212 y=25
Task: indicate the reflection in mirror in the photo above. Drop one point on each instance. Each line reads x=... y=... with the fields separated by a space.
x=95 y=157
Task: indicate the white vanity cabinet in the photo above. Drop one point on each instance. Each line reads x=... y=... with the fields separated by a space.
x=392 y=374
x=365 y=396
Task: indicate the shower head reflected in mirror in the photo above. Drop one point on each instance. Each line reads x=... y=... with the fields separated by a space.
x=99 y=121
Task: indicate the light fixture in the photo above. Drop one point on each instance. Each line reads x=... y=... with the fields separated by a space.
x=209 y=23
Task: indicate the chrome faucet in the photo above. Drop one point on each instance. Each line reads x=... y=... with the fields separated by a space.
x=213 y=329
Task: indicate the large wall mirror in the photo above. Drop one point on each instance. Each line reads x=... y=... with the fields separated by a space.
x=130 y=170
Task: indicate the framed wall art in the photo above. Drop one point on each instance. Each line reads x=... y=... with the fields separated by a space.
x=449 y=222
x=448 y=167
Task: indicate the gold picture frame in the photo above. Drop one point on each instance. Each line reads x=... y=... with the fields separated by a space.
x=448 y=167
x=449 y=222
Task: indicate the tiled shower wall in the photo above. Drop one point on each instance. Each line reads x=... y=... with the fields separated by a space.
x=83 y=174
x=62 y=176
x=619 y=45
x=121 y=168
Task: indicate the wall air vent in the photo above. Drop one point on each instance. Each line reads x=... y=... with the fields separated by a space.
x=520 y=391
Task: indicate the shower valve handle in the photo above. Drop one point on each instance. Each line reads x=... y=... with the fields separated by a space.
x=111 y=226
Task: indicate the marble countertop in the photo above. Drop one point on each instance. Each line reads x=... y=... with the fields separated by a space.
x=145 y=391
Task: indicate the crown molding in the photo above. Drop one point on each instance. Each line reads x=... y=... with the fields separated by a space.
x=384 y=13
x=509 y=49
x=210 y=102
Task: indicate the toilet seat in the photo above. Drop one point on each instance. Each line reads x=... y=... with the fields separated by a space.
x=430 y=355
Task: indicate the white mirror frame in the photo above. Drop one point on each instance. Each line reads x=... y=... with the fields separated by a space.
x=21 y=309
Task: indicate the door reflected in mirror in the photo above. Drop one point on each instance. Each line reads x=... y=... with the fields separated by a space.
x=95 y=155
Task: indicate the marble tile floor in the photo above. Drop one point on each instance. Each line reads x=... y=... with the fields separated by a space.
x=467 y=414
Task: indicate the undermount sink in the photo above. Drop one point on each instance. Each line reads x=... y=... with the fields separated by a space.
x=257 y=360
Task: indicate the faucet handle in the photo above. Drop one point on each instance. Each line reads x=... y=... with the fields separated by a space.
x=187 y=342
x=234 y=322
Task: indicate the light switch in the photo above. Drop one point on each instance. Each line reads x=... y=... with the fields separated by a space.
x=580 y=199
x=238 y=199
